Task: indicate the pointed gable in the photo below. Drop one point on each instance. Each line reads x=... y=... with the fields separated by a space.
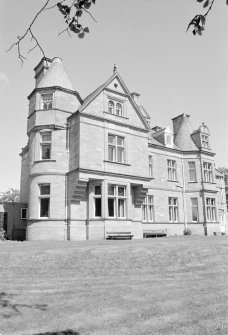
x=182 y=132
x=56 y=76
x=115 y=88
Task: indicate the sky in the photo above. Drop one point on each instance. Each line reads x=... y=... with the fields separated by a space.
x=174 y=72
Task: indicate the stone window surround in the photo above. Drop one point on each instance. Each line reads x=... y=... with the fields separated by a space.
x=148 y=215
x=172 y=169
x=44 y=196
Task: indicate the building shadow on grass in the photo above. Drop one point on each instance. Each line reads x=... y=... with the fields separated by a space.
x=62 y=332
x=9 y=309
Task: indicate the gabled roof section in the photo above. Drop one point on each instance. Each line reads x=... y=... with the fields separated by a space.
x=105 y=85
x=183 y=136
x=56 y=76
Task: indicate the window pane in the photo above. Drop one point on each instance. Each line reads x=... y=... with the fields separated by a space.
x=111 y=139
x=170 y=214
x=150 y=199
x=45 y=189
x=47 y=100
x=121 y=213
x=120 y=141
x=44 y=207
x=192 y=175
x=111 y=153
x=111 y=189
x=151 y=213
x=120 y=155
x=46 y=151
x=121 y=191
x=194 y=214
x=144 y=209
x=110 y=106
x=98 y=190
x=175 y=214
x=46 y=137
x=111 y=211
x=97 y=207
x=191 y=165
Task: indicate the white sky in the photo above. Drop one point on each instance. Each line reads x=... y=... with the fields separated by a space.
x=173 y=71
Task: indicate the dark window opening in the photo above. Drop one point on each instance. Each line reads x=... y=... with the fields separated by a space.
x=44 y=207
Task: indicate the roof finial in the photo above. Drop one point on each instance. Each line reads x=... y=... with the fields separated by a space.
x=114 y=68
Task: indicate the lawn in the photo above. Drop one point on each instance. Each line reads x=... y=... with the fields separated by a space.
x=174 y=285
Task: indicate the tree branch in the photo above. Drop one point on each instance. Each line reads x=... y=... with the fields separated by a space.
x=20 y=38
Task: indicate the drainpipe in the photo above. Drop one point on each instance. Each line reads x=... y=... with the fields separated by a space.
x=203 y=197
x=67 y=232
x=183 y=193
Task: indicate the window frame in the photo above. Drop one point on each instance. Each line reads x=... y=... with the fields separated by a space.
x=44 y=197
x=172 y=169
x=192 y=170
x=119 y=111
x=116 y=109
x=205 y=141
x=47 y=143
x=208 y=172
x=24 y=217
x=116 y=148
x=47 y=104
x=111 y=107
x=97 y=196
x=147 y=209
x=195 y=207
x=211 y=211
x=116 y=197
x=173 y=209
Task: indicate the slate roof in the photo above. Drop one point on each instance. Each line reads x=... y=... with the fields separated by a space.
x=183 y=138
x=56 y=76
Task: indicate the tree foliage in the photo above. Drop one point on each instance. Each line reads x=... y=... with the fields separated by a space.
x=73 y=10
x=199 y=20
x=11 y=195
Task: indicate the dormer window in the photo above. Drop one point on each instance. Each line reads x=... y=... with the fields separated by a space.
x=111 y=107
x=205 y=141
x=46 y=100
x=118 y=109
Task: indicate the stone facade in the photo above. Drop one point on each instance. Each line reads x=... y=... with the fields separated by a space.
x=97 y=165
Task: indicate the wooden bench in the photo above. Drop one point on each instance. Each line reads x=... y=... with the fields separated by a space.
x=154 y=233
x=118 y=235
x=219 y=233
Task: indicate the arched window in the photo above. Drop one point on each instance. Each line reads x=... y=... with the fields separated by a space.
x=118 y=109
x=111 y=107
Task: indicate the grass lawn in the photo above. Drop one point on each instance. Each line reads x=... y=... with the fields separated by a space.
x=174 y=285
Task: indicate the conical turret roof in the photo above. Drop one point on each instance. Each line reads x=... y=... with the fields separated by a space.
x=183 y=137
x=56 y=76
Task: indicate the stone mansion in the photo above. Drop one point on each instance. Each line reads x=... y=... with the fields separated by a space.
x=99 y=165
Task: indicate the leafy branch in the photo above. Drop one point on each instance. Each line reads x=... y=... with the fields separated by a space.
x=198 y=22
x=71 y=14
